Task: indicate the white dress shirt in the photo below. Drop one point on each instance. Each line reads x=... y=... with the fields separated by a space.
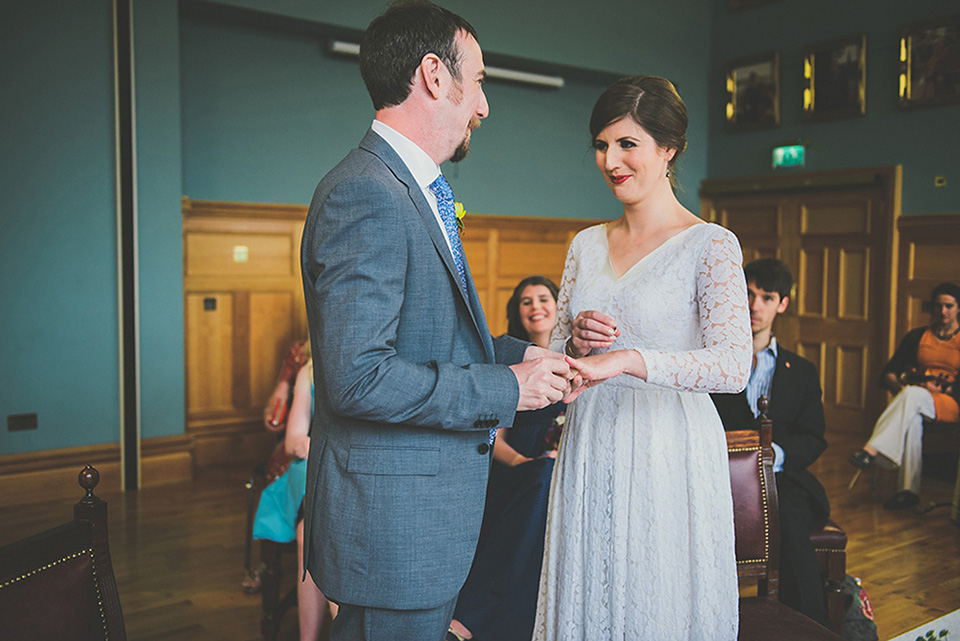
x=421 y=165
x=759 y=384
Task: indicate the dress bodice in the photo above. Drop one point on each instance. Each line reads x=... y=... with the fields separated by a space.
x=683 y=306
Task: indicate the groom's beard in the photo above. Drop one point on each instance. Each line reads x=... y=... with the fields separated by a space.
x=461 y=152
x=464 y=147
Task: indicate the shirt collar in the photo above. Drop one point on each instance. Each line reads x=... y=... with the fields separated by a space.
x=421 y=165
x=772 y=347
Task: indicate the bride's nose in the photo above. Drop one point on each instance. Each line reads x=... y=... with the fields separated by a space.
x=611 y=159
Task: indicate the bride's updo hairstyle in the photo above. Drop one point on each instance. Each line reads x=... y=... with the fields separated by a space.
x=654 y=104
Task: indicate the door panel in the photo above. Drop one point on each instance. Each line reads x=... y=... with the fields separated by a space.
x=831 y=240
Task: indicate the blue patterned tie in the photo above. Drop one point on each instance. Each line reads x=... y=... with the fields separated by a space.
x=441 y=189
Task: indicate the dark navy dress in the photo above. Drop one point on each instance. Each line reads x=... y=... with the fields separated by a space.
x=499 y=600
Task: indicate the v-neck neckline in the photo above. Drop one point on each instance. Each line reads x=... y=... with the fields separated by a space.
x=606 y=241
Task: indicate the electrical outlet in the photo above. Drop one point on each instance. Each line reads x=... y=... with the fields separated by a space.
x=21 y=422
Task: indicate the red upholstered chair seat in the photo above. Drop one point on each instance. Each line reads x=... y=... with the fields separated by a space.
x=58 y=585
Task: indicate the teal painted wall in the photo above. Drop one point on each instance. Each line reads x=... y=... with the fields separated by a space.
x=159 y=188
x=267 y=112
x=58 y=280
x=919 y=139
x=232 y=113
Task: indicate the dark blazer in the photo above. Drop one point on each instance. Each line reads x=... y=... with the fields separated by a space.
x=796 y=409
x=408 y=384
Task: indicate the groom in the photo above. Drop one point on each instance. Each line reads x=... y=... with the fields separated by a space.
x=409 y=384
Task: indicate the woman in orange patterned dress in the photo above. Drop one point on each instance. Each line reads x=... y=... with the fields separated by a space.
x=923 y=375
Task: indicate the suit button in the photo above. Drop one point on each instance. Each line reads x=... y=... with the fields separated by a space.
x=483 y=448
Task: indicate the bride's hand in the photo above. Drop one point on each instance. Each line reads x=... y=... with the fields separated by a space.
x=598 y=368
x=591 y=330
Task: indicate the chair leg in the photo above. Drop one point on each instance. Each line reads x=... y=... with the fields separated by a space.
x=251 y=505
x=856 y=475
x=836 y=572
x=271 y=577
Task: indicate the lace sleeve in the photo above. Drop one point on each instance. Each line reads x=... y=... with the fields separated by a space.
x=564 y=327
x=723 y=363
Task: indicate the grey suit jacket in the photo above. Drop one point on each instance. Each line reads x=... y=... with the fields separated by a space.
x=408 y=383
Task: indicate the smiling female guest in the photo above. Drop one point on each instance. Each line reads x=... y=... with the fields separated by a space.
x=499 y=600
x=923 y=375
x=640 y=527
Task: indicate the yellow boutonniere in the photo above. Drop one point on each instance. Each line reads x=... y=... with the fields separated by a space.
x=460 y=213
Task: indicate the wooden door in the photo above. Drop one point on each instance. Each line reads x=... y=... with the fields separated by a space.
x=836 y=244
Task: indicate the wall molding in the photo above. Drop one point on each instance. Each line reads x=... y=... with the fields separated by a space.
x=32 y=477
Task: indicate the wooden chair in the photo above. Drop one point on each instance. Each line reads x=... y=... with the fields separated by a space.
x=273 y=601
x=274 y=605
x=58 y=585
x=757 y=530
x=829 y=542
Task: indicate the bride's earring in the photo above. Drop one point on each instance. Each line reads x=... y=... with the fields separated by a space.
x=668 y=173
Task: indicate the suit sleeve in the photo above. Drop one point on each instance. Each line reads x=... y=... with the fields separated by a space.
x=355 y=266
x=509 y=350
x=803 y=441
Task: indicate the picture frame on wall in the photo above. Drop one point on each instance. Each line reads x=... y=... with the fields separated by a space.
x=835 y=79
x=753 y=93
x=930 y=63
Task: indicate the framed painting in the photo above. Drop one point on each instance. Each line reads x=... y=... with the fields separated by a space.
x=835 y=79
x=930 y=63
x=753 y=93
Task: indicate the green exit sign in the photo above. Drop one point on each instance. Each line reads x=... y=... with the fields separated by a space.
x=789 y=156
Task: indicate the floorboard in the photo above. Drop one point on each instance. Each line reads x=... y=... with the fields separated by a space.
x=178 y=551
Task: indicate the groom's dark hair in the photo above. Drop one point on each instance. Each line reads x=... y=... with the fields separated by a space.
x=396 y=41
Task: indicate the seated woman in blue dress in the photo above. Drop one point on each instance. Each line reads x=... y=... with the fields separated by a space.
x=280 y=512
x=498 y=602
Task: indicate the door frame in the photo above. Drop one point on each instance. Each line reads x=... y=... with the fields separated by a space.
x=884 y=180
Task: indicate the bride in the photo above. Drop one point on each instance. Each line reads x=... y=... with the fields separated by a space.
x=639 y=538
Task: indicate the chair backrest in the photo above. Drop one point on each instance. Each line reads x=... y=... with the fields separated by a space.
x=59 y=584
x=756 y=512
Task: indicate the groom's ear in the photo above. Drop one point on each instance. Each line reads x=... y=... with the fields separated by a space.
x=429 y=71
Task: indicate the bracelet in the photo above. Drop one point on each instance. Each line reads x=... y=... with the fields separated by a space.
x=568 y=348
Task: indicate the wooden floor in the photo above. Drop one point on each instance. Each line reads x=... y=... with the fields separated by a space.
x=178 y=552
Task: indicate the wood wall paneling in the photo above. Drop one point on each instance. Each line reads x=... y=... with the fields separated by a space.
x=243 y=306
x=854 y=275
x=245 y=257
x=929 y=255
x=504 y=250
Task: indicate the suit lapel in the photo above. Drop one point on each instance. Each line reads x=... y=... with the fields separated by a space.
x=779 y=385
x=380 y=148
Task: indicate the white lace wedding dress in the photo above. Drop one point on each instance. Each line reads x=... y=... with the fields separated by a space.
x=639 y=539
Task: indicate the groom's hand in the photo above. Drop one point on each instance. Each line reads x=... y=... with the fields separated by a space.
x=542 y=381
x=574 y=379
